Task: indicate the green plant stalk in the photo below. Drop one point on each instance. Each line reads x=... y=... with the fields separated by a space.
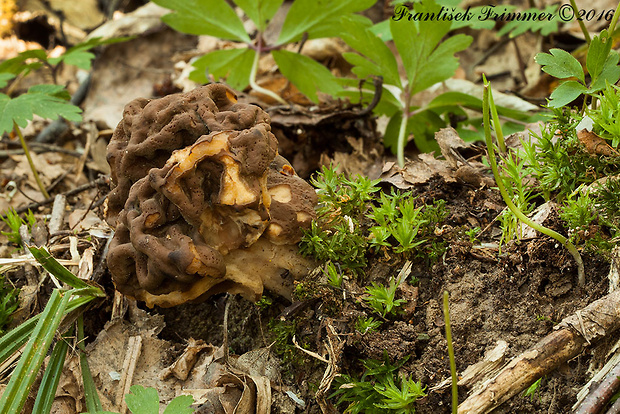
x=487 y=101
x=253 y=73
x=402 y=132
x=498 y=129
x=582 y=25
x=614 y=20
x=455 y=379
x=32 y=167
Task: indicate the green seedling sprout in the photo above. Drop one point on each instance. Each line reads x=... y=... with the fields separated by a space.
x=487 y=108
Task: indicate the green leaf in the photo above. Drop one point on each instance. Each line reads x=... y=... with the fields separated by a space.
x=79 y=56
x=180 y=405
x=560 y=64
x=377 y=58
x=47 y=101
x=260 y=11
x=529 y=21
x=475 y=22
x=233 y=64
x=427 y=60
x=204 y=17
x=464 y=100
x=423 y=126
x=566 y=93
x=382 y=30
x=442 y=63
x=17 y=64
x=142 y=400
x=4 y=78
x=317 y=17
x=609 y=74
x=598 y=52
x=306 y=74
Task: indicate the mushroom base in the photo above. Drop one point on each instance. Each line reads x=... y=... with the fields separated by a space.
x=248 y=272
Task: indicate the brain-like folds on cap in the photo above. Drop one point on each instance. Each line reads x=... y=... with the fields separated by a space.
x=201 y=201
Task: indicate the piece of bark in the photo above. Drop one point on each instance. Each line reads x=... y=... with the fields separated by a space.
x=588 y=325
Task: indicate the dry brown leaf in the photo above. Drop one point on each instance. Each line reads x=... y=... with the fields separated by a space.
x=185 y=363
x=594 y=144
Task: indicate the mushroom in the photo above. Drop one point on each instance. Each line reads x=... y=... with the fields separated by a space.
x=201 y=201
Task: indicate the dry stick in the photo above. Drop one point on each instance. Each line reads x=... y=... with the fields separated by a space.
x=598 y=399
x=129 y=367
x=586 y=326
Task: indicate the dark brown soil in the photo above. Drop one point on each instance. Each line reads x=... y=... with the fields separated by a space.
x=516 y=296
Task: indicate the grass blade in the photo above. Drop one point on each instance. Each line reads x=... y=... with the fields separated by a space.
x=16 y=337
x=59 y=271
x=93 y=403
x=27 y=369
x=51 y=377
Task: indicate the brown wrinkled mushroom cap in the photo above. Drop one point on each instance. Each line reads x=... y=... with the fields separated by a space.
x=202 y=202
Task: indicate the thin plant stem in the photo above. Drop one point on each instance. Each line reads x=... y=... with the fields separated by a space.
x=253 y=83
x=32 y=167
x=582 y=25
x=455 y=379
x=402 y=134
x=614 y=20
x=486 y=102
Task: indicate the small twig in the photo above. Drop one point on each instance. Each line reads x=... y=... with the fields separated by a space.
x=522 y=64
x=39 y=148
x=99 y=181
x=134 y=349
x=225 y=334
x=304 y=39
x=307 y=351
x=59 y=180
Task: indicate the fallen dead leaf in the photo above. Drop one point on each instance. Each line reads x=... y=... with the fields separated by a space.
x=594 y=144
